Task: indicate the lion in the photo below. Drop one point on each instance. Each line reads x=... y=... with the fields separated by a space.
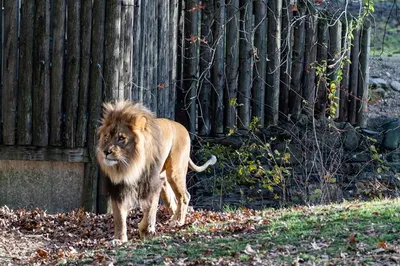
x=144 y=157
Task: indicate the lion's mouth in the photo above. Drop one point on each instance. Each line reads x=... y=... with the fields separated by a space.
x=110 y=162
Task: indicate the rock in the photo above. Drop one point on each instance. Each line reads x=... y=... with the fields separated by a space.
x=378 y=93
x=391 y=139
x=395 y=85
x=350 y=138
x=300 y=119
x=378 y=82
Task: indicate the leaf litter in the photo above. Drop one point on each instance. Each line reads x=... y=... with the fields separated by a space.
x=239 y=237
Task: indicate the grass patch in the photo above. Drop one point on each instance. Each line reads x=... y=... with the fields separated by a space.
x=336 y=233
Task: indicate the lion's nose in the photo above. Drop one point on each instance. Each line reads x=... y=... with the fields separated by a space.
x=107 y=151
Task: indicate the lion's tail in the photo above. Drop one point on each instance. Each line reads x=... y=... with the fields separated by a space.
x=203 y=167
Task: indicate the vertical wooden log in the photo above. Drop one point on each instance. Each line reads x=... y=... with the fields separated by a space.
x=144 y=89
x=232 y=63
x=335 y=49
x=363 y=76
x=191 y=62
x=205 y=105
x=57 y=72
x=91 y=181
x=41 y=74
x=286 y=58
x=260 y=43
x=274 y=15
x=322 y=54
x=86 y=29
x=310 y=54
x=296 y=85
x=127 y=34
x=136 y=55
x=163 y=62
x=112 y=58
x=173 y=57
x=154 y=56
x=25 y=79
x=10 y=85
x=218 y=75
x=1 y=67
x=345 y=82
x=71 y=93
x=353 y=90
x=245 y=63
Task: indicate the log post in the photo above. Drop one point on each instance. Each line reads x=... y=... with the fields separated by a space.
x=310 y=54
x=363 y=76
x=260 y=43
x=218 y=75
x=25 y=80
x=353 y=90
x=295 y=94
x=286 y=58
x=232 y=63
x=245 y=63
x=322 y=54
x=274 y=15
x=204 y=107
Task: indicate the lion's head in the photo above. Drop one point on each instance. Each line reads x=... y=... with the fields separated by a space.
x=127 y=144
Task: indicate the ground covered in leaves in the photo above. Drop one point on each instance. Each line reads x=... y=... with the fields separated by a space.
x=366 y=233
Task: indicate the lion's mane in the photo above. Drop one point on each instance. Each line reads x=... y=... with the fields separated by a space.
x=138 y=174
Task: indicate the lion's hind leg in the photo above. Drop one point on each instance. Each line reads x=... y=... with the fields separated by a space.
x=177 y=180
x=169 y=199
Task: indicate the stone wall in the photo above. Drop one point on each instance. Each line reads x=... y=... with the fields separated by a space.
x=52 y=186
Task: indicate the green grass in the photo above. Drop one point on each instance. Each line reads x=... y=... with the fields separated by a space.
x=324 y=234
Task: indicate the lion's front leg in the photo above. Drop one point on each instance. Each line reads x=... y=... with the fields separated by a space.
x=147 y=225
x=120 y=212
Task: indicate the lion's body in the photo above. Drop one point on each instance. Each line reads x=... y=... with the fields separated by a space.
x=144 y=157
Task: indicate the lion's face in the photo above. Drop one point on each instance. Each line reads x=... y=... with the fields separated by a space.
x=116 y=146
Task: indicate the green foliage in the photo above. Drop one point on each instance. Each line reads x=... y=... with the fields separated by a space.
x=253 y=163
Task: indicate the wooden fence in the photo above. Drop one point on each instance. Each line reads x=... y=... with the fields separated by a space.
x=212 y=65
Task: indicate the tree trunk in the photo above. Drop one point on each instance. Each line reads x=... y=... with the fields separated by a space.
x=363 y=77
x=25 y=80
x=260 y=43
x=10 y=85
x=273 y=66
x=245 y=63
x=41 y=74
x=232 y=63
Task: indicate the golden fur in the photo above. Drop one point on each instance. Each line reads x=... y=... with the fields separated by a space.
x=144 y=157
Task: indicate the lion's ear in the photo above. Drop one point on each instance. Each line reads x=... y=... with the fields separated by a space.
x=140 y=123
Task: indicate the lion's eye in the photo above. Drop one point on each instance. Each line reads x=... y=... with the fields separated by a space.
x=121 y=139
